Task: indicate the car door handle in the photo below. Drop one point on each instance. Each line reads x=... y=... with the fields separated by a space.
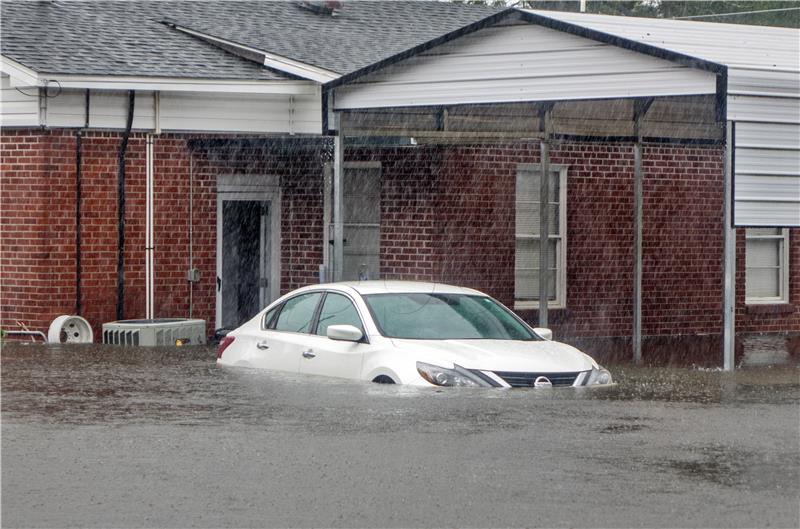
x=309 y=354
x=262 y=345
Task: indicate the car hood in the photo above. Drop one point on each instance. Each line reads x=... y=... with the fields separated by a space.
x=499 y=355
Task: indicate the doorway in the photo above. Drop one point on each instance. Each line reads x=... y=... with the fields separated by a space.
x=246 y=281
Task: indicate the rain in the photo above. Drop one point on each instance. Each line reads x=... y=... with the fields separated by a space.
x=602 y=214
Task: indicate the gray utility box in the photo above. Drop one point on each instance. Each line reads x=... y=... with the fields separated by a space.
x=159 y=331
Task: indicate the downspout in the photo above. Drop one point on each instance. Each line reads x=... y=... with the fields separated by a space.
x=123 y=148
x=78 y=199
x=191 y=233
x=148 y=242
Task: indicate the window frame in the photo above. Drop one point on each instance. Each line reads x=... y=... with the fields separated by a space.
x=318 y=313
x=312 y=323
x=268 y=321
x=783 y=270
x=560 y=300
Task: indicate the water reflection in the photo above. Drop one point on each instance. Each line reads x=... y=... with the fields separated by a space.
x=105 y=384
x=102 y=436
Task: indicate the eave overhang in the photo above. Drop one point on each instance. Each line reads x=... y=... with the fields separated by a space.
x=23 y=76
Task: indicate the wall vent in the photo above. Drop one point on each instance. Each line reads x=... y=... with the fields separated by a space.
x=159 y=331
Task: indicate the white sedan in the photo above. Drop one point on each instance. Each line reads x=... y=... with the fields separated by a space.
x=400 y=332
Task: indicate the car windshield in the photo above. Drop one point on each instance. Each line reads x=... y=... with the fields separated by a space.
x=423 y=316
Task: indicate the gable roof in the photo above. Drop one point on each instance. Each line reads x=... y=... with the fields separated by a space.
x=106 y=37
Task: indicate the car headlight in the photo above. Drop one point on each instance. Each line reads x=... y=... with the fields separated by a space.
x=458 y=376
x=599 y=376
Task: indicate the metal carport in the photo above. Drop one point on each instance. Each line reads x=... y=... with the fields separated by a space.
x=538 y=74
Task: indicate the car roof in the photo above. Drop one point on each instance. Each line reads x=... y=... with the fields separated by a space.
x=395 y=286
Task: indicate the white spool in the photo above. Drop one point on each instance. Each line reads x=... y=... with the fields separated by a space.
x=70 y=329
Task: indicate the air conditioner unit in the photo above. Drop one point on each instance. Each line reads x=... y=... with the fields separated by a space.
x=159 y=331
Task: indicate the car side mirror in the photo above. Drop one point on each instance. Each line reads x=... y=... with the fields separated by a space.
x=547 y=334
x=345 y=333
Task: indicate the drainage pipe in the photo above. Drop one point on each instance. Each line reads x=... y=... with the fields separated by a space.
x=191 y=232
x=149 y=270
x=123 y=148
x=78 y=200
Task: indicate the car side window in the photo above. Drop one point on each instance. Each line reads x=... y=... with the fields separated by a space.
x=297 y=313
x=337 y=310
x=269 y=318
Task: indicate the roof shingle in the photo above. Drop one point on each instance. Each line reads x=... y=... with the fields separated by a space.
x=106 y=37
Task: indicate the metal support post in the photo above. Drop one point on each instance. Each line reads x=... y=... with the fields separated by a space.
x=544 y=220
x=338 y=197
x=729 y=255
x=637 y=253
x=639 y=111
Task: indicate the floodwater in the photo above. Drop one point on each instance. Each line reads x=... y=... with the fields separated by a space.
x=98 y=436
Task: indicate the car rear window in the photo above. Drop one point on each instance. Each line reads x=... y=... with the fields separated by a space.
x=444 y=317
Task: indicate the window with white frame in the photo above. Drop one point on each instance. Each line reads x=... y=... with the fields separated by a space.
x=526 y=262
x=766 y=265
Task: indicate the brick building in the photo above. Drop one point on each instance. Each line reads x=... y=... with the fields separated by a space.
x=234 y=193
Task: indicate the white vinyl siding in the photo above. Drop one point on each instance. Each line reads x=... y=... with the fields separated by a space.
x=763 y=100
x=521 y=63
x=526 y=259
x=767 y=167
x=188 y=111
x=19 y=106
x=241 y=113
x=767 y=265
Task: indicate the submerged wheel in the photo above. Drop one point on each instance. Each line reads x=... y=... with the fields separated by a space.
x=70 y=329
x=383 y=379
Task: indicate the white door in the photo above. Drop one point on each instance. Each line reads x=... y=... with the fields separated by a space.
x=281 y=347
x=323 y=356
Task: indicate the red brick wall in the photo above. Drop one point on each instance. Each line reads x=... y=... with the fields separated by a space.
x=300 y=171
x=38 y=187
x=447 y=213
x=471 y=214
x=37 y=213
x=682 y=284
x=409 y=248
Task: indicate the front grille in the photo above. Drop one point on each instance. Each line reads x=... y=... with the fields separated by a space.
x=525 y=380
